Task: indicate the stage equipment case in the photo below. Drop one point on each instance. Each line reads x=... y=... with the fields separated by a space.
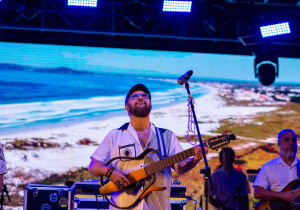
x=94 y=202
x=86 y=196
x=47 y=197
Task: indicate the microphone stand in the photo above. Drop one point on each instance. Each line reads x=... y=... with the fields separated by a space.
x=206 y=170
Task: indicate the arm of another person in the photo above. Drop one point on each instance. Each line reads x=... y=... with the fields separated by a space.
x=263 y=194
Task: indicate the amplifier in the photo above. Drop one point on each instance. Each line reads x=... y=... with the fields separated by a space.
x=94 y=202
x=252 y=173
x=92 y=186
x=178 y=203
x=87 y=186
x=89 y=202
x=86 y=196
x=177 y=197
x=177 y=191
x=46 y=197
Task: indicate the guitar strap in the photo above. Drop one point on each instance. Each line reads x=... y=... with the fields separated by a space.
x=160 y=142
x=159 y=137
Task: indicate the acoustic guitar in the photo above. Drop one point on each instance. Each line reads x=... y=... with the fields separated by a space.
x=144 y=177
x=278 y=203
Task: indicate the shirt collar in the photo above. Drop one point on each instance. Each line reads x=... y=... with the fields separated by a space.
x=132 y=131
x=280 y=161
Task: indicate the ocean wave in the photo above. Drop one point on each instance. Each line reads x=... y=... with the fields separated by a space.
x=33 y=113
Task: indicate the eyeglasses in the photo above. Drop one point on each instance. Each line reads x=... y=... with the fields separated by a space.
x=135 y=96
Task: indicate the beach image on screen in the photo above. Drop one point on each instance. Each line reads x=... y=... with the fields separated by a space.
x=58 y=102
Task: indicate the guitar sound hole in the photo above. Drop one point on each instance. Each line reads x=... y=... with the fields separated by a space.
x=132 y=188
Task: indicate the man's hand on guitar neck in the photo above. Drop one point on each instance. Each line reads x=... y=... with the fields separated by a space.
x=189 y=163
x=198 y=154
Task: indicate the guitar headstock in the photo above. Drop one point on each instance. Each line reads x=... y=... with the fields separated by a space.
x=220 y=141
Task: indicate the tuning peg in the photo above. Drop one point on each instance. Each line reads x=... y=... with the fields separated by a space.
x=231 y=137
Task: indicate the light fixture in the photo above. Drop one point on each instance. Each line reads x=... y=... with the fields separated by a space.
x=83 y=3
x=275 y=29
x=266 y=69
x=177 y=6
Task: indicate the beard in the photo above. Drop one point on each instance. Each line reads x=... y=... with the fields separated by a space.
x=138 y=110
x=289 y=153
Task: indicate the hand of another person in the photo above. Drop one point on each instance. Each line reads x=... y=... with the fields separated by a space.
x=119 y=179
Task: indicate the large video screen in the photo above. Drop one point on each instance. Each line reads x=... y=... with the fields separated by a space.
x=57 y=103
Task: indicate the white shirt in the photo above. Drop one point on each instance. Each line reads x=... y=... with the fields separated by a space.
x=276 y=174
x=3 y=169
x=126 y=143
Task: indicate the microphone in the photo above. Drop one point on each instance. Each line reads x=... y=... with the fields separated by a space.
x=181 y=80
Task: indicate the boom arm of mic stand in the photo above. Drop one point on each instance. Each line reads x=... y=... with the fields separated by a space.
x=206 y=170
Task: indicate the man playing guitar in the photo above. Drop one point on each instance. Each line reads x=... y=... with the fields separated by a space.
x=279 y=172
x=131 y=140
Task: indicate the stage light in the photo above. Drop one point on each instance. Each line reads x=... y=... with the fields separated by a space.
x=83 y=3
x=266 y=69
x=266 y=74
x=275 y=29
x=177 y=6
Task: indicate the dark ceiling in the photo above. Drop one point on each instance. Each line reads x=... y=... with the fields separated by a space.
x=213 y=26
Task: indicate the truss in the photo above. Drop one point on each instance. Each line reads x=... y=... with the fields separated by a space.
x=214 y=26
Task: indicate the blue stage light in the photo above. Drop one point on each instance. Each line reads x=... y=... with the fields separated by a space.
x=177 y=6
x=275 y=29
x=83 y=3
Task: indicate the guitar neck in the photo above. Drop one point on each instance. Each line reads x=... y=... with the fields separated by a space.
x=212 y=143
x=165 y=163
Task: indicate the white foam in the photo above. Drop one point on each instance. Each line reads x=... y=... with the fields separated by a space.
x=62 y=110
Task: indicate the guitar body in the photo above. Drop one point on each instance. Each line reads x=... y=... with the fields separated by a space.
x=143 y=185
x=280 y=204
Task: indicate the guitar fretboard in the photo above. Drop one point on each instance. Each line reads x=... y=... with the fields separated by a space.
x=165 y=163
